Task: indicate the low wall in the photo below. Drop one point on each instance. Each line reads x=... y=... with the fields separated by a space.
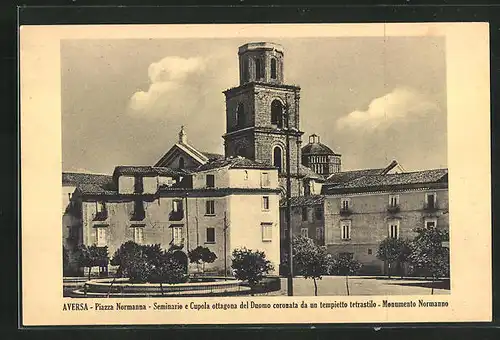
x=122 y=286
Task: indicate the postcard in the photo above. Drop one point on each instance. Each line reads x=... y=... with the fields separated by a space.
x=255 y=174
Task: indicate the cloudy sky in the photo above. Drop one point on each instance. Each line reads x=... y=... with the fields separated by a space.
x=370 y=99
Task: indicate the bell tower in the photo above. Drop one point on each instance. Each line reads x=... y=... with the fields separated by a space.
x=259 y=110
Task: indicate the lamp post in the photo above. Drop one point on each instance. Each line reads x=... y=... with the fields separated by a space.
x=288 y=204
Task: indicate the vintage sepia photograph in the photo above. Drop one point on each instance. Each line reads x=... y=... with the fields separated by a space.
x=204 y=170
x=192 y=167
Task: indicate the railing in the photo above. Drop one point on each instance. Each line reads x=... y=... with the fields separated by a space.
x=101 y=215
x=176 y=215
x=431 y=207
x=345 y=211
x=393 y=209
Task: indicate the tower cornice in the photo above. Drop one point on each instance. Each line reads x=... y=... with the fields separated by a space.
x=257 y=85
x=266 y=130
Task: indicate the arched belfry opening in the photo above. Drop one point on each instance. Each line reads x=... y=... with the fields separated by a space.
x=240 y=115
x=274 y=69
x=278 y=158
x=277 y=113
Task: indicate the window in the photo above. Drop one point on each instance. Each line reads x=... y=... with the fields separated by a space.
x=430 y=201
x=318 y=213
x=345 y=230
x=210 y=235
x=277 y=113
x=304 y=232
x=265 y=202
x=210 y=207
x=139 y=235
x=369 y=251
x=304 y=213
x=345 y=204
x=394 y=229
x=264 y=180
x=138 y=185
x=320 y=233
x=177 y=235
x=210 y=181
x=181 y=163
x=267 y=231
x=393 y=200
x=430 y=223
x=273 y=69
x=277 y=158
x=101 y=239
x=240 y=112
x=258 y=69
x=177 y=206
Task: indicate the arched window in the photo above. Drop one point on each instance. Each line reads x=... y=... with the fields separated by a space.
x=277 y=113
x=240 y=112
x=278 y=158
x=273 y=69
x=181 y=163
x=258 y=69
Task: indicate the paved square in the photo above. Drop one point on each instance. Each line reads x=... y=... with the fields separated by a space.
x=362 y=285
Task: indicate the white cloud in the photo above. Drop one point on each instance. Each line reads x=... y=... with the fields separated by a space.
x=398 y=105
x=165 y=76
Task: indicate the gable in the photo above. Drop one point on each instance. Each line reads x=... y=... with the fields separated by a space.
x=172 y=158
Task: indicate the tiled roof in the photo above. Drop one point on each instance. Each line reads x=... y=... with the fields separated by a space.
x=95 y=189
x=300 y=201
x=389 y=181
x=75 y=178
x=345 y=176
x=309 y=173
x=233 y=163
x=148 y=170
x=211 y=155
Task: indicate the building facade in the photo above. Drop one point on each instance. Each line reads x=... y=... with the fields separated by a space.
x=181 y=209
x=362 y=212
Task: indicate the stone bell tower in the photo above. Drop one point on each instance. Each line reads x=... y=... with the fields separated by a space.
x=257 y=110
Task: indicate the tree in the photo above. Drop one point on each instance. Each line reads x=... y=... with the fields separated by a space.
x=147 y=263
x=92 y=256
x=309 y=259
x=203 y=255
x=250 y=266
x=428 y=253
x=65 y=260
x=344 y=264
x=124 y=256
x=392 y=250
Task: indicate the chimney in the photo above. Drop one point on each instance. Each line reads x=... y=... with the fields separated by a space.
x=182 y=136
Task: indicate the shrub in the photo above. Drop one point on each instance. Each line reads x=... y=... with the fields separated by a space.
x=148 y=263
x=250 y=266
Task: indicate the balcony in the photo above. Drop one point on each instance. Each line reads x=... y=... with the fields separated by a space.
x=430 y=207
x=393 y=209
x=176 y=215
x=138 y=215
x=345 y=211
x=101 y=215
